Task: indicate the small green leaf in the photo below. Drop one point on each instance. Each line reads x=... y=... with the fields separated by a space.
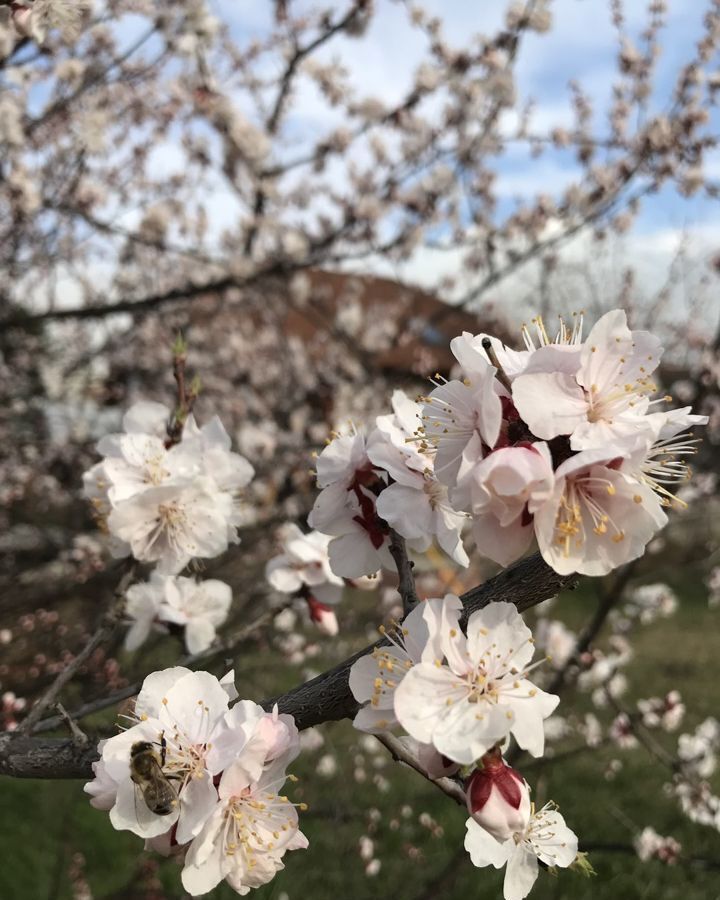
x=179 y=347
x=583 y=865
x=195 y=386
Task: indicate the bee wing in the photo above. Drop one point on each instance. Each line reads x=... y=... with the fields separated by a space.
x=158 y=794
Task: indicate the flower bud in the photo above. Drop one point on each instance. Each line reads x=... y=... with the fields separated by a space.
x=323 y=617
x=498 y=797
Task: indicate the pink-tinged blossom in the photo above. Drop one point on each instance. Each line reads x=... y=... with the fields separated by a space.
x=605 y=400
x=226 y=766
x=35 y=20
x=546 y=838
x=323 y=617
x=244 y=839
x=304 y=564
x=498 y=798
x=502 y=492
x=481 y=692
x=651 y=845
x=662 y=712
x=622 y=732
x=375 y=677
x=597 y=518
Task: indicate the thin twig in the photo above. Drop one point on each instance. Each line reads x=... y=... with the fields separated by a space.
x=406 y=583
x=110 y=621
x=400 y=753
x=226 y=646
x=76 y=731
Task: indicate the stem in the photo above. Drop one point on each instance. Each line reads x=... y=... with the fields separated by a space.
x=406 y=583
x=400 y=753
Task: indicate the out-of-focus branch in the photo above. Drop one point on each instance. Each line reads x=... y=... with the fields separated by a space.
x=326 y=698
x=283 y=93
x=629 y=850
x=610 y=596
x=110 y=622
x=223 y=648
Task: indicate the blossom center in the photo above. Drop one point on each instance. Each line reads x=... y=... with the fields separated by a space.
x=585 y=495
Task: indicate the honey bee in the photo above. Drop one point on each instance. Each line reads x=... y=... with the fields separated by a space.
x=146 y=771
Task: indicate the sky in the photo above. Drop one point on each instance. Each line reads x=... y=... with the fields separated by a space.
x=581 y=45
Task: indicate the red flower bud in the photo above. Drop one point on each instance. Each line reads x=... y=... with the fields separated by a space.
x=498 y=797
x=323 y=616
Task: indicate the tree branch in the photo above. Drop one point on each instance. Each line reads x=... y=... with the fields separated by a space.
x=406 y=583
x=401 y=754
x=326 y=698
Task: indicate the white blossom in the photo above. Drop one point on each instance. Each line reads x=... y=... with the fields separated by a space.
x=168 y=505
x=345 y=508
x=375 y=677
x=200 y=607
x=596 y=518
x=304 y=562
x=546 y=838
x=415 y=504
x=481 y=693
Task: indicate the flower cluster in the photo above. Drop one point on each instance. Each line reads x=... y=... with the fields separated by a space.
x=34 y=18
x=460 y=696
x=559 y=443
x=171 y=601
x=370 y=484
x=167 y=503
x=201 y=780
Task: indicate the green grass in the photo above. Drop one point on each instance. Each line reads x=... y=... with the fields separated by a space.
x=43 y=824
